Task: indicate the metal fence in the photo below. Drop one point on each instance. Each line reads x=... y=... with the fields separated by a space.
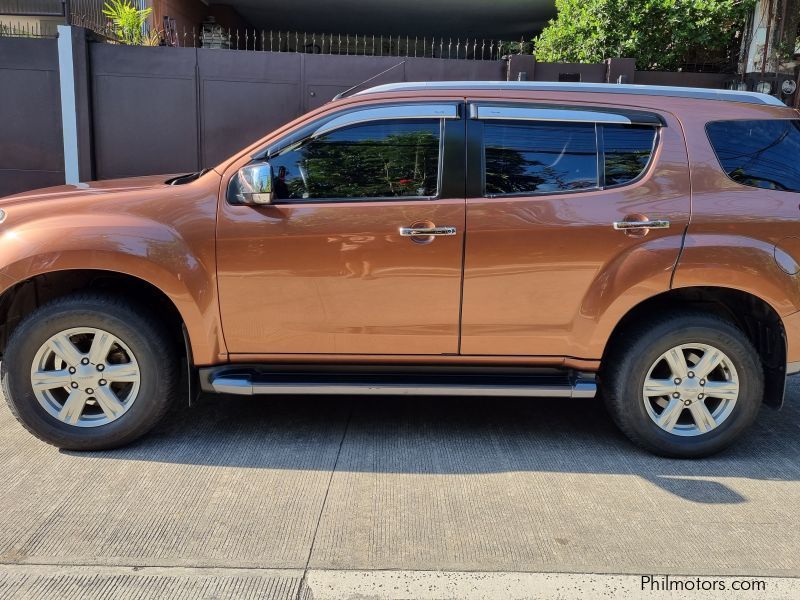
x=213 y=36
x=28 y=30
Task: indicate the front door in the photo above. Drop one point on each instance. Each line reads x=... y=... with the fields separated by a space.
x=544 y=262
x=361 y=252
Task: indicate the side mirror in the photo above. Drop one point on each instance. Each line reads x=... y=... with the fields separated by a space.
x=255 y=184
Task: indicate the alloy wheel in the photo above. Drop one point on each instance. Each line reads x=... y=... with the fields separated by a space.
x=85 y=377
x=691 y=389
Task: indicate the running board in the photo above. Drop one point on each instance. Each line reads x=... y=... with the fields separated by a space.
x=568 y=385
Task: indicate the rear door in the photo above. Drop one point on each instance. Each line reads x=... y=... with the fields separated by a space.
x=544 y=260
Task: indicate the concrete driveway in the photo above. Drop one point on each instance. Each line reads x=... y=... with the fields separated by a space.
x=291 y=497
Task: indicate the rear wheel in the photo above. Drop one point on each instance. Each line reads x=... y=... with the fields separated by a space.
x=685 y=386
x=89 y=372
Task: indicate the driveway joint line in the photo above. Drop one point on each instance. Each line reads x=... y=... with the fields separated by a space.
x=325 y=501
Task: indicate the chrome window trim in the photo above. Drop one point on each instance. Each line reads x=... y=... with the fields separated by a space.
x=520 y=113
x=387 y=113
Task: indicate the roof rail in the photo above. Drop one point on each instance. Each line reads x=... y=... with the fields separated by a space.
x=601 y=88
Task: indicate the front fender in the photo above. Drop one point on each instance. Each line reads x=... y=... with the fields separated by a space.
x=130 y=244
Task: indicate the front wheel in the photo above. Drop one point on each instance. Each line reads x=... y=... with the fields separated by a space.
x=686 y=385
x=89 y=372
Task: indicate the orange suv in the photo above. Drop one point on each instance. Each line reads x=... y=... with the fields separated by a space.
x=449 y=238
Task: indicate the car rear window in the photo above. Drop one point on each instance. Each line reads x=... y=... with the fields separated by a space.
x=762 y=153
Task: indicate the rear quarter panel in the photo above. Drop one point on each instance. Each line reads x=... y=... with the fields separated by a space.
x=740 y=237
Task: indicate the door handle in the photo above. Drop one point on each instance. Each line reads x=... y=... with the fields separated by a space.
x=426 y=231
x=634 y=225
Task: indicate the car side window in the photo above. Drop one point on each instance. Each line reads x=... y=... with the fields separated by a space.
x=626 y=152
x=539 y=157
x=381 y=159
x=761 y=153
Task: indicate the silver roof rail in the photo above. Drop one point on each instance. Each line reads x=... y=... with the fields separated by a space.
x=604 y=88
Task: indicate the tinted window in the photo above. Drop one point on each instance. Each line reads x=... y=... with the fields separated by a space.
x=627 y=151
x=375 y=160
x=762 y=154
x=539 y=157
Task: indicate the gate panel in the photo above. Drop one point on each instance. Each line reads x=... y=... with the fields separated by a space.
x=244 y=96
x=31 y=146
x=144 y=110
x=325 y=75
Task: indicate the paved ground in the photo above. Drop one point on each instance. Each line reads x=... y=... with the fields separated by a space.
x=269 y=498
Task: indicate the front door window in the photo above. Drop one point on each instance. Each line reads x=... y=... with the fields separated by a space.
x=383 y=159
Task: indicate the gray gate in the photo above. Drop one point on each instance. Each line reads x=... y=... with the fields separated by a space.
x=31 y=151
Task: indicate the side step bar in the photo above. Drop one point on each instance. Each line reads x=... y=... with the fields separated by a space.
x=530 y=386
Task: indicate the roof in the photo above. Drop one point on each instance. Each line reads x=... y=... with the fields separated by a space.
x=601 y=88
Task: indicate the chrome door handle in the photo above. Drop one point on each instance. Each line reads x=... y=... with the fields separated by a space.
x=426 y=231
x=629 y=225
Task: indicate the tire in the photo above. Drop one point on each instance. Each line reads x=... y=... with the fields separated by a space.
x=141 y=359
x=650 y=420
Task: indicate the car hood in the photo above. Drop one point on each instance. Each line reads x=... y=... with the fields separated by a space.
x=91 y=189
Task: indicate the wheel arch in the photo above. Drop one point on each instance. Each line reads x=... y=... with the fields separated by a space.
x=755 y=317
x=21 y=298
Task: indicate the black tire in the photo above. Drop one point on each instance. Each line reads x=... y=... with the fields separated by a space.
x=146 y=337
x=638 y=348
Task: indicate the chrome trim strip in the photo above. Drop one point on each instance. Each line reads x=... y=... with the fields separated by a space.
x=481 y=111
x=602 y=88
x=627 y=225
x=420 y=231
x=406 y=111
x=241 y=386
x=244 y=387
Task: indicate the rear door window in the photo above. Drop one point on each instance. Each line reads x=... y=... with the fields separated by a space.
x=762 y=153
x=539 y=157
x=627 y=150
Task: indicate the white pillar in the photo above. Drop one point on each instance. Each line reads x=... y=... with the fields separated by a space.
x=69 y=113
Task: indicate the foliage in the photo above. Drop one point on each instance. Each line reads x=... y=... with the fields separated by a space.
x=659 y=34
x=128 y=22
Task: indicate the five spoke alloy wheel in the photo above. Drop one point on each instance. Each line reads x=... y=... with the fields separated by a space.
x=691 y=389
x=85 y=377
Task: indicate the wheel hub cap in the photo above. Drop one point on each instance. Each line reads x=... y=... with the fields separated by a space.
x=85 y=377
x=691 y=389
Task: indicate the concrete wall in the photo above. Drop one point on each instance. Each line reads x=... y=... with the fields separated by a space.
x=709 y=80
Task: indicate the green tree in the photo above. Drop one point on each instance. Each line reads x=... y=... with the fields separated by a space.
x=659 y=34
